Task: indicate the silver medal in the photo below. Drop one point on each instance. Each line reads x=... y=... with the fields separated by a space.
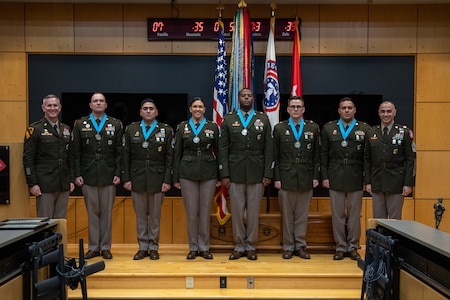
x=297 y=144
x=344 y=143
x=145 y=144
x=196 y=139
x=98 y=137
x=244 y=132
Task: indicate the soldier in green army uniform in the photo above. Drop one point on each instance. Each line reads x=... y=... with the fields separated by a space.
x=297 y=162
x=196 y=172
x=390 y=163
x=45 y=159
x=96 y=149
x=342 y=170
x=147 y=173
x=246 y=168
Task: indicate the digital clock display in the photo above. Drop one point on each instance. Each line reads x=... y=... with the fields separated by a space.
x=207 y=29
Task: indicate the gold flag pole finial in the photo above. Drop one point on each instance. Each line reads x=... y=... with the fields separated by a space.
x=273 y=6
x=220 y=7
x=242 y=4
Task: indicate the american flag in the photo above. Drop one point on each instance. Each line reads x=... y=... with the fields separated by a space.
x=220 y=105
x=220 y=102
x=271 y=88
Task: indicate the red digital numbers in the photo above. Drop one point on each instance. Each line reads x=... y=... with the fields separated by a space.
x=198 y=27
x=290 y=26
x=157 y=26
x=256 y=26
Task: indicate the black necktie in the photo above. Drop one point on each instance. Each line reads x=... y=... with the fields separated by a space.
x=147 y=128
x=196 y=125
x=98 y=121
x=346 y=128
x=385 y=131
x=245 y=116
x=297 y=127
x=56 y=128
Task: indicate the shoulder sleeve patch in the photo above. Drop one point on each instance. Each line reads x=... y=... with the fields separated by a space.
x=29 y=132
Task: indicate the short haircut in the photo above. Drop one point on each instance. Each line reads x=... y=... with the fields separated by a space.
x=148 y=100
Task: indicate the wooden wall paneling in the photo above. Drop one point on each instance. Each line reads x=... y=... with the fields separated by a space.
x=12 y=25
x=130 y=233
x=118 y=220
x=392 y=29
x=433 y=28
x=413 y=288
x=71 y=218
x=433 y=171
x=433 y=76
x=343 y=29
x=425 y=213
x=13 y=122
x=49 y=27
x=432 y=115
x=81 y=224
x=194 y=47
x=13 y=70
x=167 y=222
x=179 y=222
x=309 y=30
x=98 y=28
x=19 y=206
x=135 y=28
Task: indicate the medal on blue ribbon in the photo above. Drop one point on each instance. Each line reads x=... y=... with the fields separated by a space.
x=97 y=127
x=297 y=134
x=245 y=123
x=344 y=132
x=146 y=133
x=196 y=131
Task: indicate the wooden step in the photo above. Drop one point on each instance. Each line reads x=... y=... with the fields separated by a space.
x=174 y=277
x=206 y=294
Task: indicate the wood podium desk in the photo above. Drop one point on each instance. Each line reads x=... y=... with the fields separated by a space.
x=424 y=259
x=14 y=256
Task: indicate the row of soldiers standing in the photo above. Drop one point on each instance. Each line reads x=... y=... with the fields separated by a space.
x=348 y=156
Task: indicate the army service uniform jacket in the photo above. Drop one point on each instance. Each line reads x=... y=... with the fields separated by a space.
x=390 y=161
x=97 y=161
x=45 y=156
x=343 y=166
x=196 y=161
x=148 y=168
x=296 y=167
x=246 y=158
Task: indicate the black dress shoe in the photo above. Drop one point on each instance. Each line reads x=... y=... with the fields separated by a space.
x=354 y=255
x=205 y=254
x=91 y=254
x=154 y=255
x=252 y=255
x=192 y=255
x=302 y=253
x=141 y=254
x=106 y=254
x=287 y=254
x=339 y=255
x=236 y=255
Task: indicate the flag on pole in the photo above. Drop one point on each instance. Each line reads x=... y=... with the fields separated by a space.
x=296 y=89
x=242 y=57
x=271 y=103
x=220 y=104
x=221 y=79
